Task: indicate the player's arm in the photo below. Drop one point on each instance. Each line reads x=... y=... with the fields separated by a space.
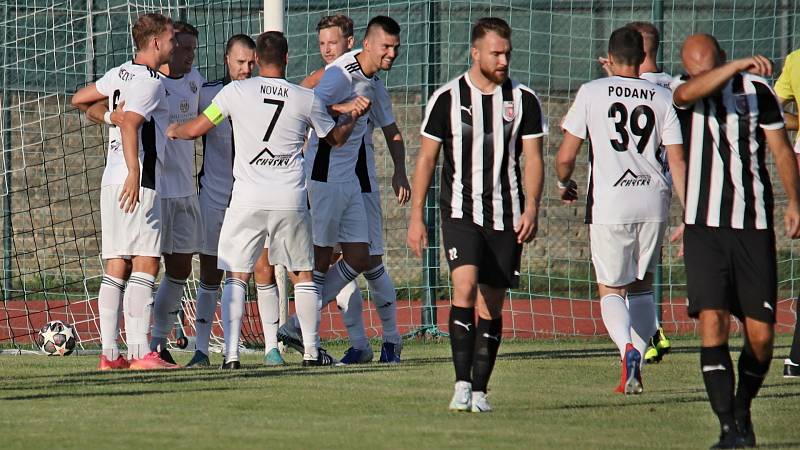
x=335 y=132
x=533 y=179
x=565 y=166
x=397 y=150
x=86 y=97
x=312 y=80
x=129 y=129
x=99 y=113
x=341 y=132
x=194 y=128
x=428 y=154
x=778 y=143
x=677 y=167
x=706 y=84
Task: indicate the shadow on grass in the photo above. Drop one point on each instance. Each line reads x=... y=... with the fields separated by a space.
x=699 y=397
x=106 y=379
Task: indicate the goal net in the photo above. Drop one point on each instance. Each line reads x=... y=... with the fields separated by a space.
x=53 y=158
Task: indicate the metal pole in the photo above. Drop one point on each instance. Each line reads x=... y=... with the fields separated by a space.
x=6 y=113
x=430 y=263
x=658 y=21
x=273 y=21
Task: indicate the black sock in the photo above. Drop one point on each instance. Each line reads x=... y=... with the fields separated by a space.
x=462 y=340
x=718 y=377
x=794 y=353
x=751 y=376
x=487 y=342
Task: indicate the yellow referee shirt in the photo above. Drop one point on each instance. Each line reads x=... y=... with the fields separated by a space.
x=788 y=85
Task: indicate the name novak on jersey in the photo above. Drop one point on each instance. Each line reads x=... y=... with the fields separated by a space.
x=627 y=120
x=270 y=119
x=141 y=89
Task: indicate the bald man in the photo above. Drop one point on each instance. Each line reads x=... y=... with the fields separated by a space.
x=729 y=116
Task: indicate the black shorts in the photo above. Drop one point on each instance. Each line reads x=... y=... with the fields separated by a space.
x=733 y=270
x=496 y=253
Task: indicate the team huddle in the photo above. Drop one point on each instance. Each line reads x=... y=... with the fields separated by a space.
x=289 y=178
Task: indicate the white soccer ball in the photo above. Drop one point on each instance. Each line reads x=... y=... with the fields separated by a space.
x=56 y=338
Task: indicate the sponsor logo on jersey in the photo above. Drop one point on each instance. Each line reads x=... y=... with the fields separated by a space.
x=114 y=146
x=630 y=179
x=267 y=158
x=184 y=106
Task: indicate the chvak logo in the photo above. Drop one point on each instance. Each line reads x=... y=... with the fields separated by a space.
x=267 y=158
x=630 y=179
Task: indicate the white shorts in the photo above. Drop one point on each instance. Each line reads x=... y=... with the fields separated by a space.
x=212 y=224
x=337 y=213
x=372 y=204
x=624 y=253
x=181 y=225
x=130 y=234
x=247 y=231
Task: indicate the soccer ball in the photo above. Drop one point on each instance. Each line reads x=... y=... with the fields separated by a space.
x=56 y=338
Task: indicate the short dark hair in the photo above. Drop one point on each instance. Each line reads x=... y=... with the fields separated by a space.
x=182 y=27
x=650 y=34
x=272 y=48
x=341 y=21
x=626 y=46
x=386 y=23
x=486 y=24
x=148 y=26
x=241 y=39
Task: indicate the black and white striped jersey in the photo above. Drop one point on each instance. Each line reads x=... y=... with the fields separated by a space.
x=728 y=181
x=481 y=136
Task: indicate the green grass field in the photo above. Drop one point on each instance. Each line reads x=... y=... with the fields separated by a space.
x=546 y=394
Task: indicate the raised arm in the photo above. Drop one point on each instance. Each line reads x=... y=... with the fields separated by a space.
x=703 y=85
x=86 y=97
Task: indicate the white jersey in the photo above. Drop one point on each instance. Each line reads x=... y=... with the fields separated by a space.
x=662 y=79
x=140 y=88
x=627 y=120
x=215 y=180
x=380 y=115
x=183 y=95
x=342 y=81
x=270 y=118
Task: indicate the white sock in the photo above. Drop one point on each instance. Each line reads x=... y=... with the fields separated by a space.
x=168 y=301
x=233 y=296
x=642 y=313
x=351 y=304
x=204 y=316
x=306 y=298
x=617 y=320
x=337 y=277
x=108 y=303
x=269 y=309
x=385 y=298
x=138 y=306
x=319 y=282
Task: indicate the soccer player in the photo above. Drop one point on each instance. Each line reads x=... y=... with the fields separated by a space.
x=626 y=119
x=788 y=89
x=130 y=208
x=270 y=118
x=337 y=208
x=335 y=37
x=215 y=183
x=729 y=116
x=181 y=222
x=486 y=216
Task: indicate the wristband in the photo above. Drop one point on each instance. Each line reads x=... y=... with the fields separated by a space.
x=107 y=118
